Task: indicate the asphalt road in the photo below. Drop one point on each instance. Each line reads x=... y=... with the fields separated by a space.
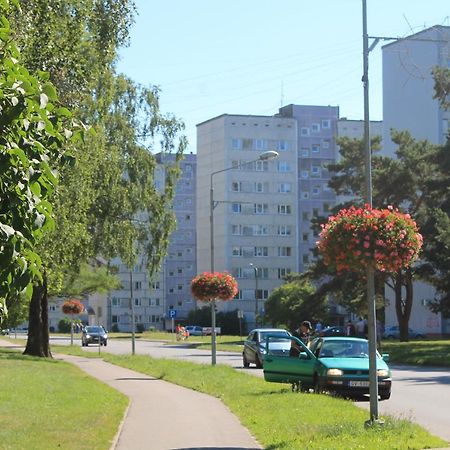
x=419 y=394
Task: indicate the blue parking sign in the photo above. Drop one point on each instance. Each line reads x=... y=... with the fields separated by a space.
x=172 y=313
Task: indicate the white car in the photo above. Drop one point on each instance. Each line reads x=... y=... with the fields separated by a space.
x=194 y=330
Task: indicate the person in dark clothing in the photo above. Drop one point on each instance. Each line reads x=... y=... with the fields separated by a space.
x=304 y=334
x=350 y=329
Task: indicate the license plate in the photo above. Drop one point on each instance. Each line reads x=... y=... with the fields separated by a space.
x=358 y=383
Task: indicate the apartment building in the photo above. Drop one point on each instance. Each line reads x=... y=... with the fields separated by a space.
x=262 y=210
x=170 y=290
x=408 y=86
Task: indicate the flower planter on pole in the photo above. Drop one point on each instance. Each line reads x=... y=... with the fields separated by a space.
x=72 y=306
x=211 y=287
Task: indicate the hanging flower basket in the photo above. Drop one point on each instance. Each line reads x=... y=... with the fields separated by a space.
x=214 y=286
x=357 y=237
x=72 y=306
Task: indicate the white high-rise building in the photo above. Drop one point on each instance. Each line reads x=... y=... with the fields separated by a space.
x=408 y=86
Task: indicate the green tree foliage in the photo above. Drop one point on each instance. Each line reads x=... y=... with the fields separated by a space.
x=403 y=182
x=34 y=132
x=441 y=77
x=106 y=204
x=292 y=303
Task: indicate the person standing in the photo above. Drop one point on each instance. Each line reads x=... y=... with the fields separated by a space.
x=303 y=332
x=360 y=327
x=349 y=329
x=318 y=328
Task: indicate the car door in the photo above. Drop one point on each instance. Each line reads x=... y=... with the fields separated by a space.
x=250 y=346
x=283 y=368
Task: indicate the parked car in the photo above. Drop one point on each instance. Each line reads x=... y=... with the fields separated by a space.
x=331 y=364
x=94 y=335
x=394 y=333
x=332 y=331
x=194 y=330
x=255 y=345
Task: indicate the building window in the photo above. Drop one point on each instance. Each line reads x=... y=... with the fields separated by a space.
x=283 y=271
x=316 y=190
x=305 y=174
x=284 y=188
x=262 y=166
x=261 y=251
x=180 y=287
x=283 y=166
x=115 y=319
x=305 y=215
x=326 y=144
x=261 y=208
x=260 y=144
x=236 y=230
x=315 y=148
x=305 y=258
x=236 y=186
x=247 y=144
x=137 y=285
x=247 y=230
x=284 y=209
x=304 y=131
x=305 y=195
x=260 y=187
x=284 y=251
x=326 y=123
x=315 y=171
x=236 y=208
x=326 y=207
x=260 y=230
x=282 y=146
x=284 y=230
x=236 y=251
x=305 y=152
x=315 y=212
x=315 y=127
x=305 y=237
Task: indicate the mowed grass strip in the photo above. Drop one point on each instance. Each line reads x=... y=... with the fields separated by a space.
x=280 y=419
x=419 y=353
x=48 y=404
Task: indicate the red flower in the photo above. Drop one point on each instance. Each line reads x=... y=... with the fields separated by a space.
x=356 y=237
x=72 y=306
x=214 y=286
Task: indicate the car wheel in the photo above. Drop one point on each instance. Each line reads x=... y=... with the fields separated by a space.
x=386 y=396
x=245 y=363
x=258 y=362
x=104 y=343
x=317 y=387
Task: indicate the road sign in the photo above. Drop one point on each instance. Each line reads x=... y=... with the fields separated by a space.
x=172 y=313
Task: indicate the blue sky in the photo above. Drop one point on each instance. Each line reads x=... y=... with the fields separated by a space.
x=247 y=56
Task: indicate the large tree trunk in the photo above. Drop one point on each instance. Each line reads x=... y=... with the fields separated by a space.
x=38 y=343
x=403 y=304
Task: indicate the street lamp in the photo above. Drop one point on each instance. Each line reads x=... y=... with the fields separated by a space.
x=133 y=333
x=265 y=156
x=256 y=292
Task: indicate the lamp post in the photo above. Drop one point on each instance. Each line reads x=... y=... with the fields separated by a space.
x=256 y=292
x=133 y=334
x=265 y=156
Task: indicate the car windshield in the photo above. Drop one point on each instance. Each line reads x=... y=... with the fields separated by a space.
x=94 y=330
x=344 y=348
x=273 y=335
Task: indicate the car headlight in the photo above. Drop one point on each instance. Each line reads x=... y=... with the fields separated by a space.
x=335 y=372
x=262 y=350
x=383 y=372
x=88 y=336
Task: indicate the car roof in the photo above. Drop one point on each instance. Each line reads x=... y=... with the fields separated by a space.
x=342 y=338
x=268 y=329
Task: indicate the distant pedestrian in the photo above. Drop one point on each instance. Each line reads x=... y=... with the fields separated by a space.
x=361 y=327
x=303 y=332
x=350 y=329
x=319 y=327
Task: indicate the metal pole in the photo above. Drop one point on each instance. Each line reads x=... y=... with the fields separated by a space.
x=133 y=337
x=373 y=379
x=213 y=303
x=256 y=293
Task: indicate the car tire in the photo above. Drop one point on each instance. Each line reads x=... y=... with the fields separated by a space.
x=105 y=343
x=385 y=396
x=317 y=387
x=259 y=363
x=245 y=363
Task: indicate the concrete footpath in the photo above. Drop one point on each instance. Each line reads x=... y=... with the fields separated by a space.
x=164 y=416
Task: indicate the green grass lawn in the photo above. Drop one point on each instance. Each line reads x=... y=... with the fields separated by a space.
x=48 y=404
x=278 y=418
x=420 y=353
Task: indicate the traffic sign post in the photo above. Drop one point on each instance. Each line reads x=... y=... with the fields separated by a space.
x=172 y=315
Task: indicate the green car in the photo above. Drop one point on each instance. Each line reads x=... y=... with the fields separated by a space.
x=330 y=364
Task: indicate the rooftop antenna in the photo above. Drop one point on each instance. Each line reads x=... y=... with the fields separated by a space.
x=282 y=95
x=409 y=25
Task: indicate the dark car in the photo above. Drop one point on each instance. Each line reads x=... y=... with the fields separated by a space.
x=94 y=335
x=255 y=345
x=332 y=331
x=331 y=364
x=394 y=333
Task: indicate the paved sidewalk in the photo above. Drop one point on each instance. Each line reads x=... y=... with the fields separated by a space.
x=164 y=416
